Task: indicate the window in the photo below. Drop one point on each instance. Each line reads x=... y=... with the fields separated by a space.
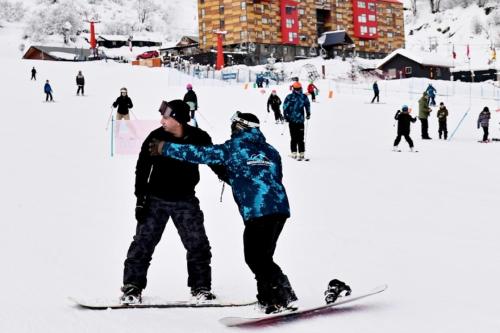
x=340 y=27
x=289 y=23
x=203 y=26
x=373 y=30
x=243 y=5
x=408 y=70
x=339 y=16
x=243 y=18
x=389 y=46
x=292 y=36
x=361 y=43
x=363 y=29
x=389 y=34
x=244 y=35
x=371 y=6
x=203 y=12
x=289 y=10
x=264 y=20
x=221 y=24
x=300 y=25
x=362 y=18
x=389 y=20
x=303 y=38
x=204 y=39
x=372 y=18
x=301 y=11
x=361 y=4
x=388 y=10
x=221 y=10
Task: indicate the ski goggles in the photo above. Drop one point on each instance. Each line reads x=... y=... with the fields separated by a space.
x=236 y=119
x=165 y=110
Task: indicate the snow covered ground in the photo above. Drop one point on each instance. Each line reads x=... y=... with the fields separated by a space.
x=426 y=223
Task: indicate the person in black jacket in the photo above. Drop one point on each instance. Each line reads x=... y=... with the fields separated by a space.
x=404 y=121
x=124 y=103
x=33 y=73
x=80 y=82
x=274 y=101
x=191 y=99
x=165 y=188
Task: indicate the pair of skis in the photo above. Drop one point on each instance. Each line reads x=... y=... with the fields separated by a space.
x=300 y=313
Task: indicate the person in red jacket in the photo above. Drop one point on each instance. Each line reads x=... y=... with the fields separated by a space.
x=312 y=89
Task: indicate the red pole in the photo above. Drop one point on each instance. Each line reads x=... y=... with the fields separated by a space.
x=220 y=50
x=93 y=42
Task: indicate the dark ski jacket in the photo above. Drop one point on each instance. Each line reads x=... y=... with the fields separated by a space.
x=404 y=121
x=124 y=103
x=190 y=96
x=167 y=178
x=423 y=107
x=294 y=107
x=431 y=91
x=33 y=71
x=484 y=119
x=253 y=169
x=274 y=101
x=375 y=88
x=442 y=113
x=80 y=80
x=47 y=88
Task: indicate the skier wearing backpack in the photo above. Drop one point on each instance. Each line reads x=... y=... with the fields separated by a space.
x=404 y=123
x=254 y=171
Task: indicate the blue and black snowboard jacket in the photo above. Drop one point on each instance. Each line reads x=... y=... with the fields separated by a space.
x=294 y=106
x=253 y=169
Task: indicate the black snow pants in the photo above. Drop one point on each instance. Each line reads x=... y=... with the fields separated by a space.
x=188 y=219
x=297 y=137
x=80 y=88
x=259 y=240
x=443 y=129
x=425 y=128
x=277 y=113
x=48 y=95
x=407 y=138
x=485 y=133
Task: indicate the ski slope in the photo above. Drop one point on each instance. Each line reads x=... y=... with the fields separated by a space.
x=426 y=223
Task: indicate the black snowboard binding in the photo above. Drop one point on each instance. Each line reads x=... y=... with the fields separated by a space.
x=336 y=289
x=131 y=295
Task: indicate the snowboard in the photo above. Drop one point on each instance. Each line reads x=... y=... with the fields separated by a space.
x=297 y=314
x=152 y=303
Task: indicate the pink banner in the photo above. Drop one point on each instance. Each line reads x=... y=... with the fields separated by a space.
x=130 y=134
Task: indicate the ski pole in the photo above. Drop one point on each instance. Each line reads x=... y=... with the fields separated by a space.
x=109 y=118
x=208 y=123
x=134 y=115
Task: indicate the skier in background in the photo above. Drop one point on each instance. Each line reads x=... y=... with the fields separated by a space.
x=33 y=73
x=312 y=89
x=294 y=107
x=124 y=104
x=254 y=172
x=274 y=101
x=48 y=91
x=80 y=82
x=483 y=121
x=431 y=92
x=442 y=115
x=404 y=124
x=165 y=188
x=376 y=92
x=192 y=100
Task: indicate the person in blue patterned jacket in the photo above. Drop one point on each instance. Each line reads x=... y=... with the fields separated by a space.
x=253 y=169
x=294 y=106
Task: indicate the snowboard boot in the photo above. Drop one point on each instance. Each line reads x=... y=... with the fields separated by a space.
x=202 y=294
x=131 y=294
x=411 y=149
x=336 y=289
x=293 y=155
x=301 y=156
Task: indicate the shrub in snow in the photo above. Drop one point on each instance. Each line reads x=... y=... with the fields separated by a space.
x=11 y=12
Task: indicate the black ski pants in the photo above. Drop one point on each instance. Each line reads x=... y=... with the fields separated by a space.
x=407 y=138
x=297 y=137
x=80 y=88
x=259 y=240
x=33 y=77
x=48 y=95
x=277 y=113
x=375 y=96
x=485 y=133
x=425 y=127
x=443 y=129
x=313 y=96
x=188 y=219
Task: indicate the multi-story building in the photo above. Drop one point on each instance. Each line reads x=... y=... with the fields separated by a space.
x=289 y=29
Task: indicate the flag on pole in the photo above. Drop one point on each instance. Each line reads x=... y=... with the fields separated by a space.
x=468 y=52
x=454 y=54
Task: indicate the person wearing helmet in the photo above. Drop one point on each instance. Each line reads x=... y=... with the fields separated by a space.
x=404 y=124
x=294 y=107
x=254 y=172
x=274 y=101
x=165 y=188
x=442 y=115
x=192 y=100
x=124 y=103
x=80 y=82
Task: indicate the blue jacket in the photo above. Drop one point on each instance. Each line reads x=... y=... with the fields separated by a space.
x=47 y=88
x=431 y=91
x=253 y=169
x=294 y=106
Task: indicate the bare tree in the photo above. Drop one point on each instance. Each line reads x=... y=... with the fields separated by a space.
x=144 y=9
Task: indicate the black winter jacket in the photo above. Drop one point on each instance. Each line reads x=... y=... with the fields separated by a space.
x=124 y=103
x=404 y=120
x=190 y=96
x=274 y=101
x=80 y=80
x=166 y=178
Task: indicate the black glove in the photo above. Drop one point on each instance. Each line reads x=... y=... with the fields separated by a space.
x=308 y=117
x=156 y=147
x=140 y=208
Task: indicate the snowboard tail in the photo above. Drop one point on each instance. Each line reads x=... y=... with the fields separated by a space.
x=298 y=314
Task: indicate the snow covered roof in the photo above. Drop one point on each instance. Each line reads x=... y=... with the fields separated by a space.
x=338 y=37
x=423 y=58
